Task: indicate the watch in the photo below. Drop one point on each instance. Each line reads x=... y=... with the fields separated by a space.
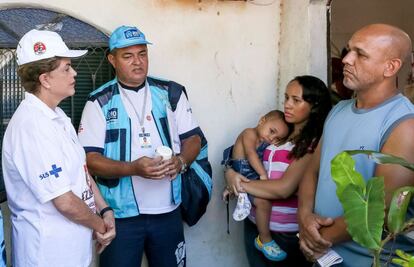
x=184 y=165
x=102 y=212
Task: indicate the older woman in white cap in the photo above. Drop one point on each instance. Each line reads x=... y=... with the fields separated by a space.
x=53 y=200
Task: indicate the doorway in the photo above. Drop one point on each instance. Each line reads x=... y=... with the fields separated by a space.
x=351 y=15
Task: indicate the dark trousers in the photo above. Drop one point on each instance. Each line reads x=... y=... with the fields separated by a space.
x=160 y=235
x=287 y=241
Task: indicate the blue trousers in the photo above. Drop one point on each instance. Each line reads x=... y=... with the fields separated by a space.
x=161 y=236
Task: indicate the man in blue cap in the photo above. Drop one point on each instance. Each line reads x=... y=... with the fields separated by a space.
x=123 y=123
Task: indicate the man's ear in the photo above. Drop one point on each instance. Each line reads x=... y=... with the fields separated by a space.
x=44 y=80
x=111 y=59
x=392 y=67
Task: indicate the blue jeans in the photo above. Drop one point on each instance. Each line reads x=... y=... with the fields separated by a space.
x=243 y=166
x=161 y=236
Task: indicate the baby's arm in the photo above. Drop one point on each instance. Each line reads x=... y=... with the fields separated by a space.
x=249 y=139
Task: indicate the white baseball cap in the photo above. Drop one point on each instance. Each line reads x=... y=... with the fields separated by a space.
x=37 y=45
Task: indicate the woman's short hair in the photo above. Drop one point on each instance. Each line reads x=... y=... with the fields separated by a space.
x=29 y=73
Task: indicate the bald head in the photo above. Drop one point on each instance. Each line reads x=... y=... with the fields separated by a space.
x=395 y=41
x=376 y=55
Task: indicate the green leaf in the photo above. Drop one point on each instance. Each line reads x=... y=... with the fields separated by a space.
x=400 y=262
x=382 y=158
x=405 y=260
x=398 y=209
x=364 y=213
x=343 y=173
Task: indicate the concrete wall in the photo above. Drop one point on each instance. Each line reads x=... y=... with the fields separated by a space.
x=226 y=54
x=303 y=42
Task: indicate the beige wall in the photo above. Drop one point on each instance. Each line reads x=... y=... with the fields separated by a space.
x=303 y=41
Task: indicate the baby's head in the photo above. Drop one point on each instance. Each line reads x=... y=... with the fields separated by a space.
x=272 y=127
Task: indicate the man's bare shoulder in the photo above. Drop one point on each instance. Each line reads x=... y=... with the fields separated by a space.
x=404 y=129
x=400 y=141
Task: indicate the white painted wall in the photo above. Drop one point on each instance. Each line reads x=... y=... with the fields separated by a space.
x=226 y=54
x=397 y=12
x=303 y=41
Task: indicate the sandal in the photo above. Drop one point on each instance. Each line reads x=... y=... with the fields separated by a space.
x=270 y=250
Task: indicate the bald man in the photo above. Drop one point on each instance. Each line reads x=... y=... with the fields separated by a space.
x=380 y=119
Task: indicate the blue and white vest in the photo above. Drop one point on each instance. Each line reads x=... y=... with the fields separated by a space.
x=119 y=193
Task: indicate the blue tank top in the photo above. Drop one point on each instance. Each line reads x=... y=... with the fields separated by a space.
x=349 y=128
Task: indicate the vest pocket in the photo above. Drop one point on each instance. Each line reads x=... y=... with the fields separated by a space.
x=110 y=183
x=115 y=148
x=112 y=135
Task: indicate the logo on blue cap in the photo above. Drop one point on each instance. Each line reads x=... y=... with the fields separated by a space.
x=125 y=36
x=132 y=33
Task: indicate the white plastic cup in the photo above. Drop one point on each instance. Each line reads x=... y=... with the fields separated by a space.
x=164 y=151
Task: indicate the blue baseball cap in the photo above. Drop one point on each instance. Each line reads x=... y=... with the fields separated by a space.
x=125 y=36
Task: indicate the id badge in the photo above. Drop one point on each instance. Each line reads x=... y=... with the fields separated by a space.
x=145 y=140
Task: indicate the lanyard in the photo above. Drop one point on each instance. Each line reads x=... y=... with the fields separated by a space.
x=140 y=118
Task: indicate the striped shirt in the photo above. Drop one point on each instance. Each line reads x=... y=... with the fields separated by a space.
x=284 y=211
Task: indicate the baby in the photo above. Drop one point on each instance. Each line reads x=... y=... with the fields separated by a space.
x=246 y=158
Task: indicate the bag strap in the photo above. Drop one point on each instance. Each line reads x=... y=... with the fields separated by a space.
x=228 y=213
x=174 y=93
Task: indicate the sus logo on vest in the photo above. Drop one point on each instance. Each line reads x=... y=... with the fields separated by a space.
x=112 y=114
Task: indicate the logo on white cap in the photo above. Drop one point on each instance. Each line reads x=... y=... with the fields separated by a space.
x=37 y=45
x=39 y=48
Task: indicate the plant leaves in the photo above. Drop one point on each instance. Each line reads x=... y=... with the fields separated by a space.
x=343 y=173
x=398 y=209
x=364 y=213
x=401 y=262
x=382 y=158
x=405 y=260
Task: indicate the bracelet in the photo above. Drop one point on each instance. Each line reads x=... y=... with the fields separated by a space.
x=102 y=212
x=184 y=165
